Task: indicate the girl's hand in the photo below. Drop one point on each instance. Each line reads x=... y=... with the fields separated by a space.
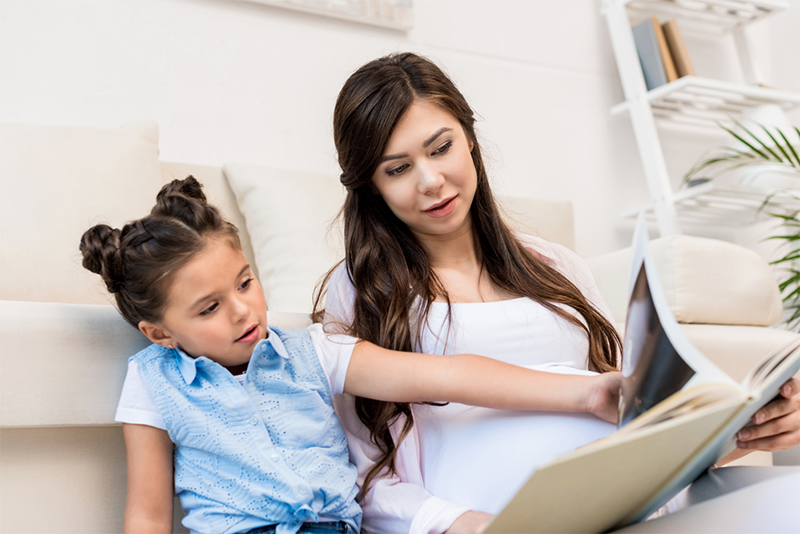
x=777 y=425
x=470 y=523
x=602 y=396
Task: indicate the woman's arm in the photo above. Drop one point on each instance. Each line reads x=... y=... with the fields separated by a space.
x=150 y=480
x=387 y=375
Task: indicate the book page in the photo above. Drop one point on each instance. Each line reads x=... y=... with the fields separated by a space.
x=657 y=359
x=683 y=403
x=770 y=368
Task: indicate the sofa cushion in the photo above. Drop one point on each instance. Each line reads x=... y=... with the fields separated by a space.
x=289 y=216
x=706 y=281
x=58 y=181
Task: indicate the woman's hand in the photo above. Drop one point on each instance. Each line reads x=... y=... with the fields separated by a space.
x=470 y=523
x=777 y=425
x=602 y=396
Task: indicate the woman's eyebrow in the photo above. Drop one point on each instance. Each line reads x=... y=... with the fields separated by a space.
x=432 y=138
x=426 y=144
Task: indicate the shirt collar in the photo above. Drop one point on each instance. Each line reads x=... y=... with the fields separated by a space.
x=188 y=365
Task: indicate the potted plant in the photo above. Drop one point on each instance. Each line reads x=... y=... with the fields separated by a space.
x=769 y=161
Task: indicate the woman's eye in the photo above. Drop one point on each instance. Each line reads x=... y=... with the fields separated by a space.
x=209 y=309
x=396 y=170
x=444 y=148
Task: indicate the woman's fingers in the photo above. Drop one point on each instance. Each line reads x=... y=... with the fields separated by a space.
x=777 y=424
x=776 y=409
x=772 y=443
x=791 y=388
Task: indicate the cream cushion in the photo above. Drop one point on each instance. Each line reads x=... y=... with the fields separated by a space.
x=57 y=182
x=289 y=216
x=706 y=281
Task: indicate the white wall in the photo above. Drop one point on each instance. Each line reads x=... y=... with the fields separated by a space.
x=238 y=81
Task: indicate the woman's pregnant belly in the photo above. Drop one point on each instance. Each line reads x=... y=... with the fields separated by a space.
x=479 y=457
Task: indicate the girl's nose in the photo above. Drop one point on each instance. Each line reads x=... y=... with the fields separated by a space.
x=241 y=310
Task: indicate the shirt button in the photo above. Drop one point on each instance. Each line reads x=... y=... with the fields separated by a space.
x=254 y=420
x=275 y=458
x=303 y=490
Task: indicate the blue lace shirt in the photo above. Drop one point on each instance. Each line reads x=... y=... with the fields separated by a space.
x=268 y=452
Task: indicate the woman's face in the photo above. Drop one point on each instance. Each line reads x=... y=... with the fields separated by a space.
x=426 y=175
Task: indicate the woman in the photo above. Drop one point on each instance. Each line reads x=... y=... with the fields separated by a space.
x=430 y=266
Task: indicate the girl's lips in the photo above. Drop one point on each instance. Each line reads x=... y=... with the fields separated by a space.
x=443 y=208
x=249 y=336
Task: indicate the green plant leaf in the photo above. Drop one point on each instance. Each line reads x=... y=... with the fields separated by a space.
x=737 y=136
x=778 y=146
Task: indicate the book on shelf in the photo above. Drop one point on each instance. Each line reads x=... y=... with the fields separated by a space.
x=654 y=55
x=679 y=414
x=677 y=49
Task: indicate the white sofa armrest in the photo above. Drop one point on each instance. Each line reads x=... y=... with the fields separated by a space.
x=64 y=364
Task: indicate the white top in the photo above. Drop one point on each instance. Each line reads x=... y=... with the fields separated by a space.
x=136 y=404
x=457 y=457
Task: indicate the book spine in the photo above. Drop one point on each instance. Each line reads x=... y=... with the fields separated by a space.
x=677 y=48
x=644 y=36
x=666 y=57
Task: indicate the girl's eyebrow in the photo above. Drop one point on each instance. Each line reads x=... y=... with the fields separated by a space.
x=212 y=295
x=426 y=144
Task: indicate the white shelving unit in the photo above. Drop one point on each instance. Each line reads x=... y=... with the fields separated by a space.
x=691 y=100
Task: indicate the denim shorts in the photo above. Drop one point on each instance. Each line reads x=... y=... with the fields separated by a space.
x=327 y=527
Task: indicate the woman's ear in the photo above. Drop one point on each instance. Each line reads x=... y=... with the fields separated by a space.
x=157 y=334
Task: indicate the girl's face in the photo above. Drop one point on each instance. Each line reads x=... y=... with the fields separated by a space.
x=215 y=307
x=426 y=175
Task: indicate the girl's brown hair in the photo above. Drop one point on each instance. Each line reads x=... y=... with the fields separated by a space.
x=389 y=268
x=138 y=262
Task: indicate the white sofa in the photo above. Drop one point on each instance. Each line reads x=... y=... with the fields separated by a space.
x=63 y=348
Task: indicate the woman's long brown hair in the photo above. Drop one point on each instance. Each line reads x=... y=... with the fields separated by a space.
x=389 y=268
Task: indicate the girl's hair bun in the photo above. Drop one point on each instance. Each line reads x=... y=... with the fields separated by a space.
x=188 y=187
x=184 y=200
x=101 y=255
x=138 y=262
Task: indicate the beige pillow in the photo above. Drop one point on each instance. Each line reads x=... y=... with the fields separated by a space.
x=705 y=281
x=56 y=182
x=289 y=216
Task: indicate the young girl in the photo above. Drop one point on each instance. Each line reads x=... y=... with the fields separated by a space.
x=431 y=266
x=236 y=417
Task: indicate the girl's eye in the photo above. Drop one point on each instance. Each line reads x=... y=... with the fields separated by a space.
x=444 y=148
x=209 y=309
x=397 y=170
x=246 y=284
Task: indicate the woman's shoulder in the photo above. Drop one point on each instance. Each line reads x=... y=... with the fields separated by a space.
x=561 y=258
x=557 y=254
x=339 y=299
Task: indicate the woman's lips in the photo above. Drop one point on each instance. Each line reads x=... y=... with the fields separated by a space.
x=249 y=336
x=442 y=209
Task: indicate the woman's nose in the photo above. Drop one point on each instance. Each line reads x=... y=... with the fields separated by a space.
x=430 y=179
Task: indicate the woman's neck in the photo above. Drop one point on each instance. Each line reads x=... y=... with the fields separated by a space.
x=454 y=250
x=458 y=266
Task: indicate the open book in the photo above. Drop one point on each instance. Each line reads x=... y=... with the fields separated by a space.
x=679 y=414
